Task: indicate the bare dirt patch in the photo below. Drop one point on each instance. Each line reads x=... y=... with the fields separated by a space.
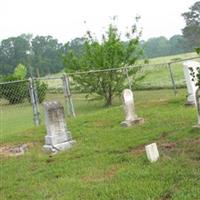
x=103 y=123
x=138 y=150
x=108 y=174
x=14 y=150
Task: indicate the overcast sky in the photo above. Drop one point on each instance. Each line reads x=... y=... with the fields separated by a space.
x=64 y=19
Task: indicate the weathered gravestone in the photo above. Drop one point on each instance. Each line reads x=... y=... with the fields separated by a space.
x=130 y=116
x=191 y=87
x=58 y=137
x=152 y=152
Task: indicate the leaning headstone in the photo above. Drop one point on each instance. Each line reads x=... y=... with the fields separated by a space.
x=58 y=137
x=191 y=87
x=152 y=152
x=130 y=116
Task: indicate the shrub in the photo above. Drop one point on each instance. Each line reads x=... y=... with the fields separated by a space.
x=13 y=92
x=41 y=90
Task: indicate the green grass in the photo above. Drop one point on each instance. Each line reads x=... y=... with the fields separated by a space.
x=108 y=161
x=158 y=76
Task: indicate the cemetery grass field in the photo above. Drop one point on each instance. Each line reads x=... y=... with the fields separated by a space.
x=108 y=162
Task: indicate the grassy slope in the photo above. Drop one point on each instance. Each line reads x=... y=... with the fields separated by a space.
x=158 y=76
x=108 y=161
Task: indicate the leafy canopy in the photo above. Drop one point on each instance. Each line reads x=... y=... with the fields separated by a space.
x=192 y=29
x=20 y=72
x=110 y=52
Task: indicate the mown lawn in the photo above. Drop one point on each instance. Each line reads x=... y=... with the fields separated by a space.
x=108 y=162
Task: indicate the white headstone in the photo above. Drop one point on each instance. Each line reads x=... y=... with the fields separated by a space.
x=152 y=152
x=129 y=108
x=58 y=136
x=191 y=87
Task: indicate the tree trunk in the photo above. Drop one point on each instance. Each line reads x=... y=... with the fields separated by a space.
x=108 y=97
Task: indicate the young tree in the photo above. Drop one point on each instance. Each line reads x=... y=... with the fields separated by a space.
x=110 y=52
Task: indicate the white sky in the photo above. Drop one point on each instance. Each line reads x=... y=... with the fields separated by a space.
x=64 y=19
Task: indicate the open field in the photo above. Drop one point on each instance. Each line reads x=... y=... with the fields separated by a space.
x=108 y=161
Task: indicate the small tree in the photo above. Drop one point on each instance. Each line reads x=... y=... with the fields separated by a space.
x=20 y=72
x=15 y=92
x=110 y=52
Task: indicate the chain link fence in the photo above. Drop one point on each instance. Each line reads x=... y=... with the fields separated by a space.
x=21 y=102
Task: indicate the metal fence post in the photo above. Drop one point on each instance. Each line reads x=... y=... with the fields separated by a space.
x=68 y=98
x=172 y=78
x=66 y=95
x=34 y=101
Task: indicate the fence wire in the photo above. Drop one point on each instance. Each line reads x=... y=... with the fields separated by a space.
x=19 y=111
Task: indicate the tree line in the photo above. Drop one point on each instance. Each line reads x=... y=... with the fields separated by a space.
x=41 y=55
x=44 y=55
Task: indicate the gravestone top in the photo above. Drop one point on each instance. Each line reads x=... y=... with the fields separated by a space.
x=53 y=105
x=191 y=63
x=128 y=96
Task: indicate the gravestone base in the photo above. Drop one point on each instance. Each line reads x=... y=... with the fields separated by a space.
x=128 y=123
x=59 y=147
x=196 y=126
x=189 y=103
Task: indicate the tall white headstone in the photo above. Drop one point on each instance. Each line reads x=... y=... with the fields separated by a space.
x=191 y=87
x=58 y=137
x=129 y=108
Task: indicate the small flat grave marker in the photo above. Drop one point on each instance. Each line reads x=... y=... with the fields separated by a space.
x=152 y=152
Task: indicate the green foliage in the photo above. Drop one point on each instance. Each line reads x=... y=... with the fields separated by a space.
x=20 y=72
x=192 y=29
x=13 y=92
x=46 y=56
x=161 y=46
x=198 y=50
x=17 y=92
x=41 y=90
x=111 y=52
